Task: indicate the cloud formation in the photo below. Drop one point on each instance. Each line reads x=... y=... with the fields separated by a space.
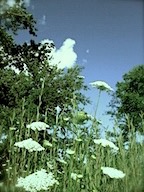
x=4 y=5
x=65 y=55
x=12 y=2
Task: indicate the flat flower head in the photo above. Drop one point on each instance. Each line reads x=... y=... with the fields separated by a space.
x=112 y=172
x=30 y=145
x=38 y=126
x=101 y=85
x=37 y=181
x=105 y=143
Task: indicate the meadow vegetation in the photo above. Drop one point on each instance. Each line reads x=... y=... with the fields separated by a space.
x=78 y=161
x=48 y=142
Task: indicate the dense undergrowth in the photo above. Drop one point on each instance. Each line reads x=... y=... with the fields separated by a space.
x=75 y=158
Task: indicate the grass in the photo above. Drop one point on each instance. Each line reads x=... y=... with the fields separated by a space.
x=84 y=159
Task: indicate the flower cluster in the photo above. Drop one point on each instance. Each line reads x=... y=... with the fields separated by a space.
x=101 y=85
x=30 y=145
x=37 y=181
x=38 y=126
x=112 y=172
x=105 y=143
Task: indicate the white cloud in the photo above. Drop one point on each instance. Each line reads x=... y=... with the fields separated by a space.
x=43 y=20
x=11 y=3
x=65 y=55
x=4 y=5
x=27 y=2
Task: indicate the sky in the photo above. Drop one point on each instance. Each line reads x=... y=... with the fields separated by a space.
x=108 y=38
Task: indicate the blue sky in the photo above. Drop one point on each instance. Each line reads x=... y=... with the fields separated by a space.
x=109 y=37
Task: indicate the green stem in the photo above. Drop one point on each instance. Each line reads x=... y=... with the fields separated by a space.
x=97 y=103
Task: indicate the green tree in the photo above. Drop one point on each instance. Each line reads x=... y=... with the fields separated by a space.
x=128 y=100
x=31 y=60
x=30 y=88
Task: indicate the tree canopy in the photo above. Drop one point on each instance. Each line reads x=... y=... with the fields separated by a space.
x=27 y=76
x=128 y=100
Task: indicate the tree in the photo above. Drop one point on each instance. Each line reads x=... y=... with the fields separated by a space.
x=30 y=87
x=128 y=100
x=25 y=68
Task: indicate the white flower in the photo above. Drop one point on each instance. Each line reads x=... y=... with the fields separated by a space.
x=58 y=109
x=38 y=126
x=37 y=181
x=105 y=143
x=81 y=77
x=112 y=172
x=70 y=152
x=75 y=176
x=30 y=145
x=101 y=85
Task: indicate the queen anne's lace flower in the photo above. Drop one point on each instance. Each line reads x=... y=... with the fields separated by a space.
x=30 y=145
x=101 y=85
x=38 y=126
x=105 y=143
x=112 y=172
x=37 y=181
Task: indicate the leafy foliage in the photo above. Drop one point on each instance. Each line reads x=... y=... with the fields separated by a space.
x=31 y=88
x=16 y=17
x=128 y=100
x=26 y=73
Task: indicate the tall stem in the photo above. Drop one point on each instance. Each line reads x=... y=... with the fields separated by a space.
x=97 y=103
x=94 y=123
